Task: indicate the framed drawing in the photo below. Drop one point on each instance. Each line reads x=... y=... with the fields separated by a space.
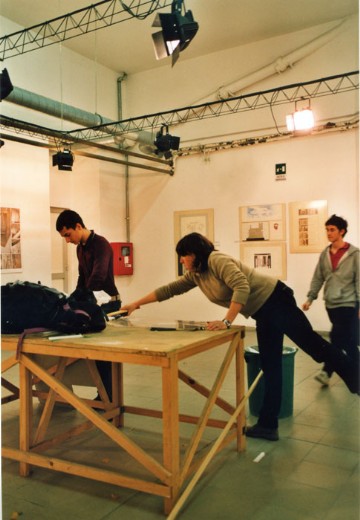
x=307 y=226
x=262 y=222
x=10 y=240
x=190 y=221
x=268 y=257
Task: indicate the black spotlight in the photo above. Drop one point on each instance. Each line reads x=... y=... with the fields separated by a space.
x=5 y=84
x=176 y=33
x=165 y=143
x=63 y=160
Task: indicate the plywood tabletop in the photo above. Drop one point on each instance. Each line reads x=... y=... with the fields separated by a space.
x=123 y=338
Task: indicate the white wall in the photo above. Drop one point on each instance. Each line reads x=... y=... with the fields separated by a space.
x=322 y=167
x=317 y=168
x=25 y=185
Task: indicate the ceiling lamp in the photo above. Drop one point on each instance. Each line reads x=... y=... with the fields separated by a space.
x=63 y=160
x=300 y=120
x=165 y=143
x=5 y=84
x=176 y=33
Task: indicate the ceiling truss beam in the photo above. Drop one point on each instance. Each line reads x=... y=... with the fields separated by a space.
x=83 y=21
x=287 y=94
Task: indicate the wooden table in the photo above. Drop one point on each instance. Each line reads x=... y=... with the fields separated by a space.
x=135 y=345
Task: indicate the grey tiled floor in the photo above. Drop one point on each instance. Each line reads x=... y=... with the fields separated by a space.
x=312 y=473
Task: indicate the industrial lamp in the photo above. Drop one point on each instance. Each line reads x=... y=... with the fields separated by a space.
x=165 y=143
x=63 y=160
x=176 y=33
x=5 y=84
x=300 y=120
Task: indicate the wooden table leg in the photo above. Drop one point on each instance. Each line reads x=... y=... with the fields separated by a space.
x=174 y=512
x=171 y=443
x=117 y=377
x=25 y=415
x=240 y=392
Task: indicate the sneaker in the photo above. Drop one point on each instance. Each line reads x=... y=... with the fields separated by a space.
x=261 y=432
x=323 y=378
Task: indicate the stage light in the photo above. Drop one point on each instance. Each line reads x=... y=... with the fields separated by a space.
x=165 y=143
x=5 y=84
x=63 y=160
x=300 y=120
x=176 y=33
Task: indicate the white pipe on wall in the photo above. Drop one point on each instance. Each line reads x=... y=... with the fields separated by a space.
x=281 y=64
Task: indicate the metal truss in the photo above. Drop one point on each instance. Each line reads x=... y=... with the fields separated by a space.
x=97 y=16
x=54 y=139
x=206 y=149
x=287 y=94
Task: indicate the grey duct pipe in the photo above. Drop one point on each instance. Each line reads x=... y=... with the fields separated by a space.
x=60 y=110
x=48 y=106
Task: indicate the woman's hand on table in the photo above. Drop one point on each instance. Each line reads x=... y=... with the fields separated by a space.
x=216 y=325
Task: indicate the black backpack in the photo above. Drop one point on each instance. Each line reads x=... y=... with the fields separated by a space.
x=27 y=305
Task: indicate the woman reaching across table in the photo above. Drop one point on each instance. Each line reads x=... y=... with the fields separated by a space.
x=229 y=283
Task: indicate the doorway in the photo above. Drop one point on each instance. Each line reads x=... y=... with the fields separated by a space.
x=59 y=255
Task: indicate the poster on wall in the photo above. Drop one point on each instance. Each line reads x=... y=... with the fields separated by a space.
x=192 y=221
x=262 y=222
x=307 y=226
x=10 y=240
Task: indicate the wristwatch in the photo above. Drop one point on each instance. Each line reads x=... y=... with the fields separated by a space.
x=227 y=323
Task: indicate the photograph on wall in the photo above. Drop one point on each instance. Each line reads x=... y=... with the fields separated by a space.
x=307 y=226
x=267 y=257
x=192 y=221
x=262 y=222
x=10 y=240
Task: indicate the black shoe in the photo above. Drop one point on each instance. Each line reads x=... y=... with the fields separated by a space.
x=260 y=432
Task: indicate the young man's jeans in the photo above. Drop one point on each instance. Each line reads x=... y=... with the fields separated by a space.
x=280 y=316
x=104 y=367
x=344 y=332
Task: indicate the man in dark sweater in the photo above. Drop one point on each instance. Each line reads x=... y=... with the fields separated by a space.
x=95 y=257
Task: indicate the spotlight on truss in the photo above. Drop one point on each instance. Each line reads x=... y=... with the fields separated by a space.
x=63 y=160
x=177 y=31
x=165 y=143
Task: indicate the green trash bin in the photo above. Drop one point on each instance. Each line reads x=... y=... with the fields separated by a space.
x=252 y=358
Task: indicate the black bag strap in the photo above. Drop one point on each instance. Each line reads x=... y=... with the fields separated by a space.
x=22 y=337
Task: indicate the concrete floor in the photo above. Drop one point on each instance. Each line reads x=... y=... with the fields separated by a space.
x=311 y=473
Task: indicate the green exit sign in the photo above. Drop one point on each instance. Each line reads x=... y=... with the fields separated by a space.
x=280 y=169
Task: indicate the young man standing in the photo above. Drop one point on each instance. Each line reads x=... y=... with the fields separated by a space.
x=338 y=271
x=95 y=257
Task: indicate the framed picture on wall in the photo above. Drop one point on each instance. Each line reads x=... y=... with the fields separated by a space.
x=262 y=222
x=190 y=221
x=267 y=257
x=307 y=226
x=10 y=240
